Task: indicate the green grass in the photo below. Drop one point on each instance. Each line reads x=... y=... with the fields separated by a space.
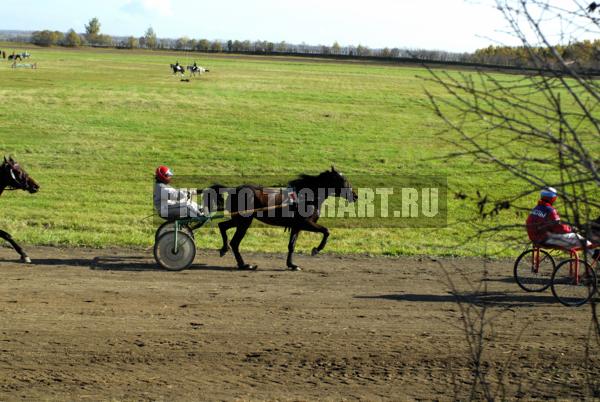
x=91 y=126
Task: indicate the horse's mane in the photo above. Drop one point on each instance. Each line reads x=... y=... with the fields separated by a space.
x=305 y=180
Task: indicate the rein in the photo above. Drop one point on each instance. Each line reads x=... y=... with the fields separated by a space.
x=147 y=217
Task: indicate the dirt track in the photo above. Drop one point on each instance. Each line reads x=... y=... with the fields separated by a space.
x=107 y=324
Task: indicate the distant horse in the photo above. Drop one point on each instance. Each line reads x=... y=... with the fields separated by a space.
x=14 y=57
x=177 y=68
x=14 y=177
x=328 y=183
x=25 y=55
x=196 y=70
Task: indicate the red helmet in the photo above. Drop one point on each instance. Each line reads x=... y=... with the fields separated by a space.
x=163 y=174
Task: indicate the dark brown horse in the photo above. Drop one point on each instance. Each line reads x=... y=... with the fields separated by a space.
x=247 y=202
x=14 y=177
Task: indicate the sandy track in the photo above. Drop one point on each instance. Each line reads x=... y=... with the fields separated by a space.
x=107 y=324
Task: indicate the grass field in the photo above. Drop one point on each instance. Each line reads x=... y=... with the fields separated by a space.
x=91 y=125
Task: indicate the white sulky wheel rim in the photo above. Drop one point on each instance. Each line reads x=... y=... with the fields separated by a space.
x=167 y=258
x=170 y=226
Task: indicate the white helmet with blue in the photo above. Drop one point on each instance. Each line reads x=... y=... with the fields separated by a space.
x=548 y=193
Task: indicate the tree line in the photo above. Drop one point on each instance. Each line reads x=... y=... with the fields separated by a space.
x=585 y=54
x=149 y=40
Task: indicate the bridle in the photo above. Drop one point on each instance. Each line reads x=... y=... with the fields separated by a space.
x=22 y=184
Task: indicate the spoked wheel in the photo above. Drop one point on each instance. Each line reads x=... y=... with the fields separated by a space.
x=171 y=257
x=533 y=270
x=572 y=288
x=169 y=227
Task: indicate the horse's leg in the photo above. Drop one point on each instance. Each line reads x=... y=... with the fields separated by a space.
x=224 y=227
x=294 y=232
x=6 y=236
x=314 y=227
x=240 y=232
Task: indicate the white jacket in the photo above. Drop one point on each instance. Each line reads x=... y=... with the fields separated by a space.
x=165 y=196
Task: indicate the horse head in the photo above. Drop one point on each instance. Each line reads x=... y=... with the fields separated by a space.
x=14 y=176
x=339 y=183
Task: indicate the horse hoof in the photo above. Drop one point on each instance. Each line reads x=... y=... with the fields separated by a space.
x=26 y=260
x=314 y=252
x=248 y=267
x=294 y=268
x=223 y=251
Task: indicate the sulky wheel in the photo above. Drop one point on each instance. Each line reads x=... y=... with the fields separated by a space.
x=169 y=227
x=175 y=258
x=532 y=271
x=573 y=283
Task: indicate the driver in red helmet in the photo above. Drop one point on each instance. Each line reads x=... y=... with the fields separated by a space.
x=169 y=202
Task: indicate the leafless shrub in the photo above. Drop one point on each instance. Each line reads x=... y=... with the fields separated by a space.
x=542 y=129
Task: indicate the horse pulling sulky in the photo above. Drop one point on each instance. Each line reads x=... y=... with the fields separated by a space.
x=291 y=208
x=23 y=65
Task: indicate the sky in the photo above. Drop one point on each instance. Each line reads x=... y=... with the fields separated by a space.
x=451 y=25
